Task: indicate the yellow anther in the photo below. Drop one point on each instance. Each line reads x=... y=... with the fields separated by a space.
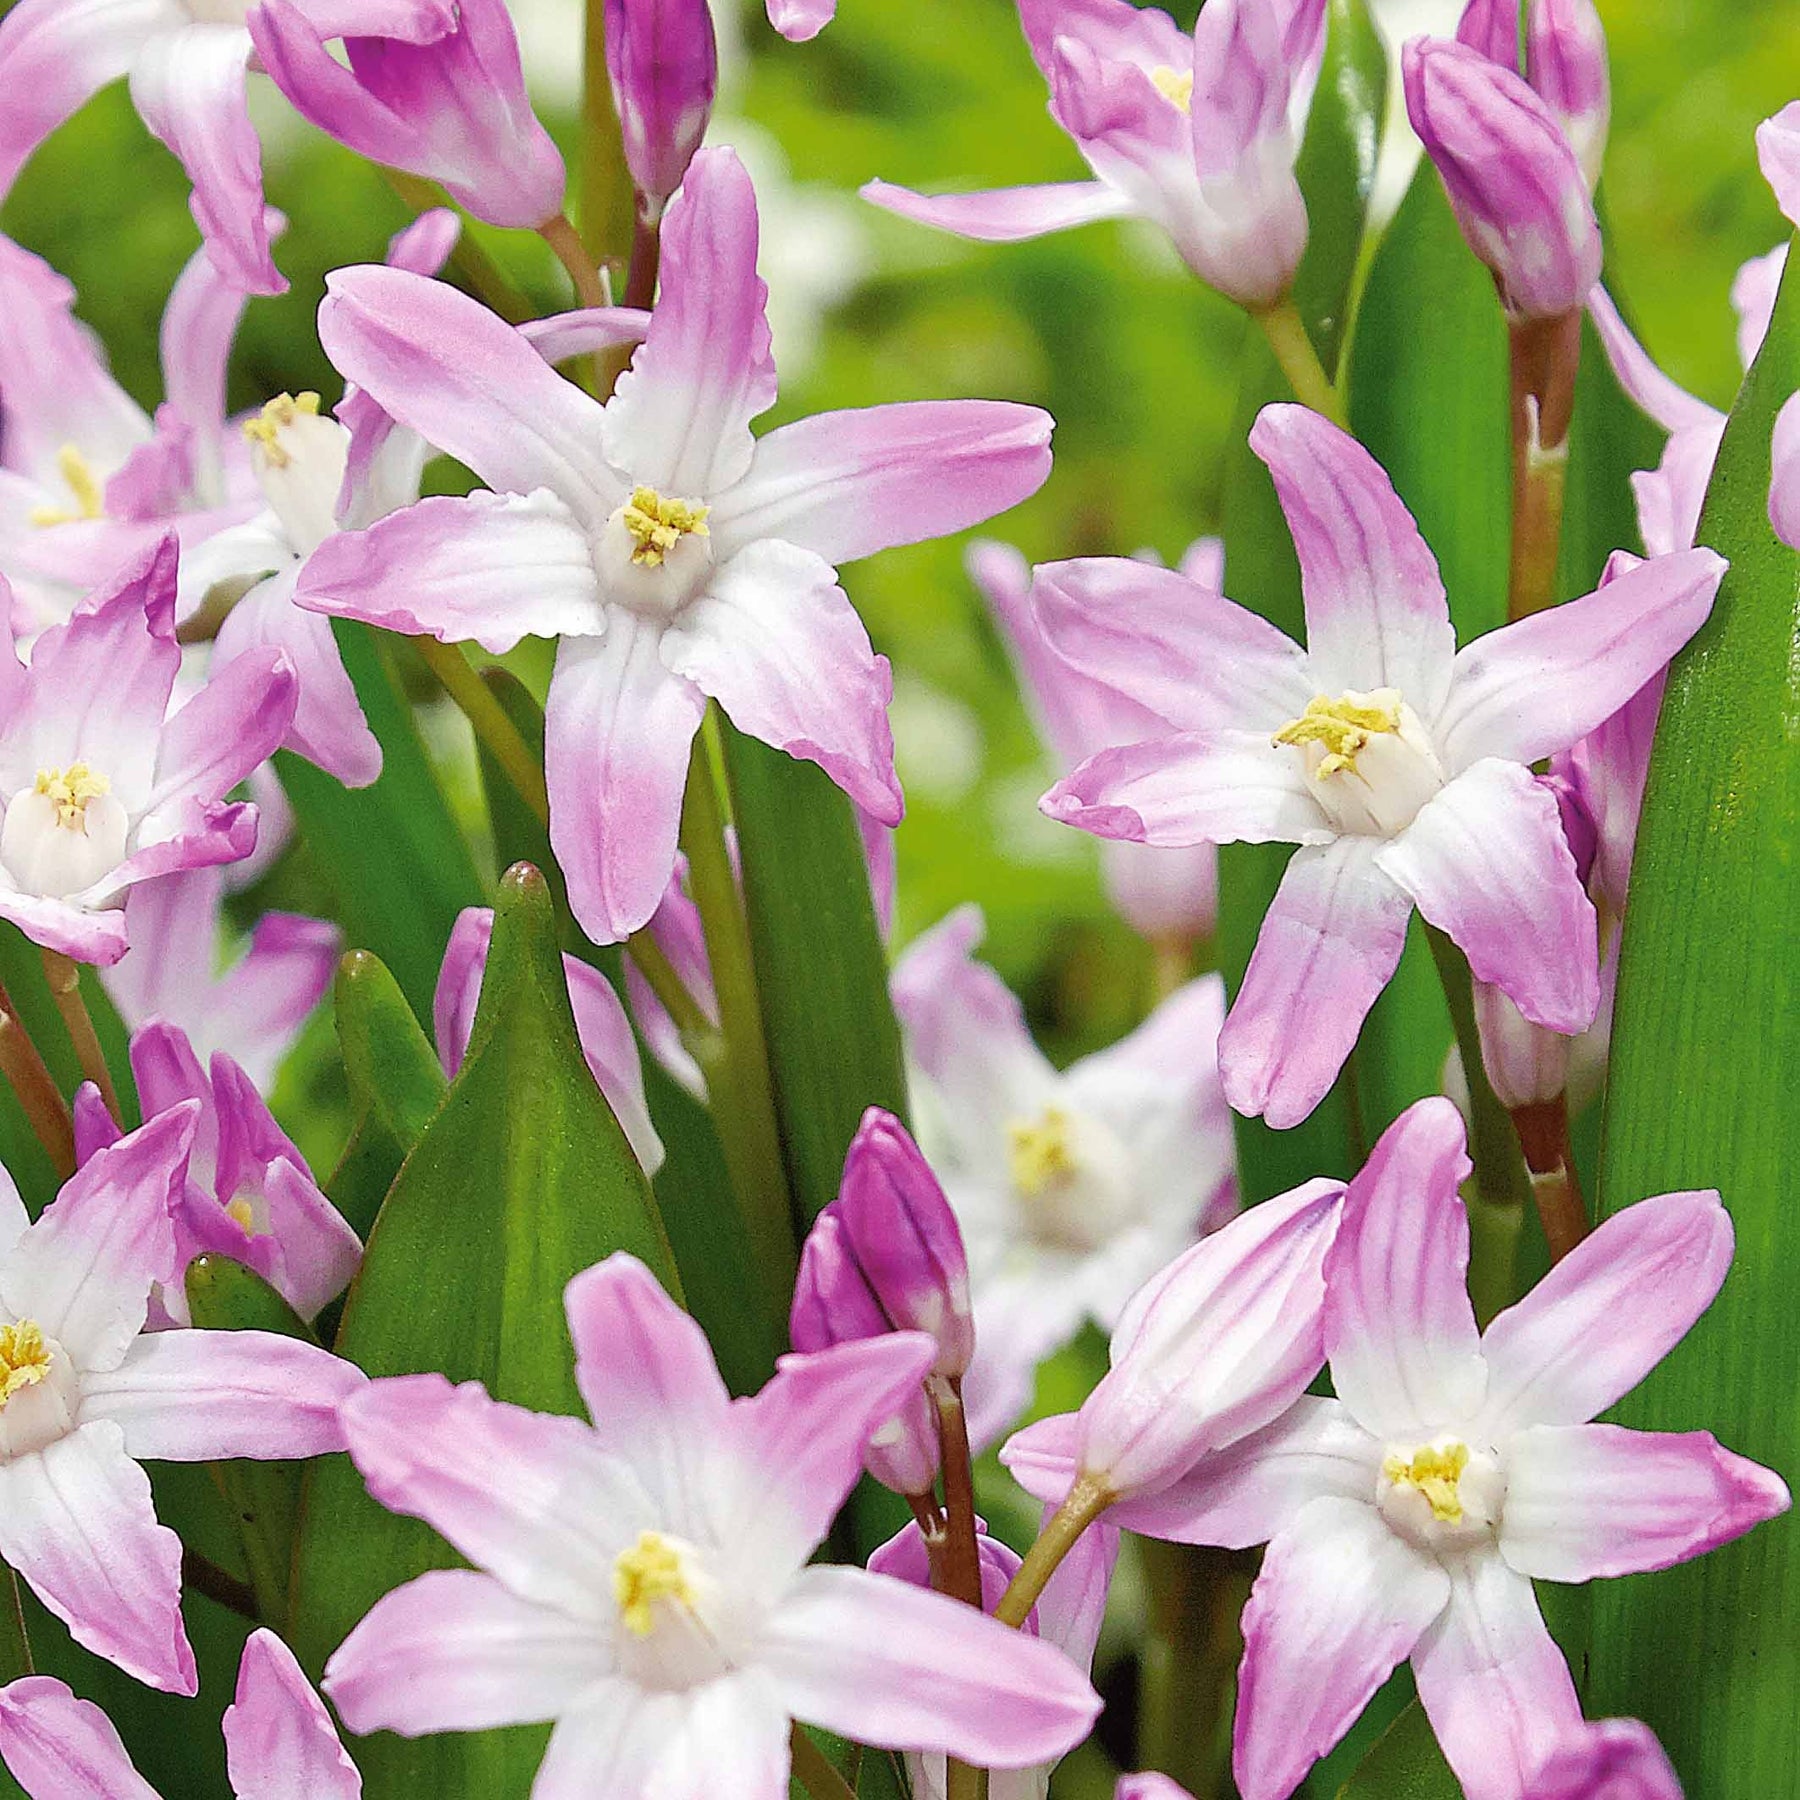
x=24 y=1358
x=266 y=428
x=83 y=483
x=1041 y=1151
x=657 y=524
x=1434 y=1472
x=652 y=1569
x=69 y=791
x=243 y=1212
x=1344 y=726
x=1175 y=85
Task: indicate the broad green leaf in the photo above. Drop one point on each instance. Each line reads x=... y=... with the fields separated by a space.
x=1405 y=1764
x=397 y=864
x=522 y=1180
x=1701 y=1094
x=834 y=1045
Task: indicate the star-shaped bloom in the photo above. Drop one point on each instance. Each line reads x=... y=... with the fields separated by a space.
x=1197 y=134
x=1071 y=1186
x=86 y=1395
x=644 y=1581
x=675 y=555
x=101 y=786
x=1401 y=766
x=280 y=1743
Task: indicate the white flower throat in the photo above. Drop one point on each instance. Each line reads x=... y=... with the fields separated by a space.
x=1443 y=1496
x=65 y=832
x=655 y=552
x=299 y=456
x=1072 y=1176
x=669 y=1635
x=38 y=1393
x=87 y=491
x=1369 y=760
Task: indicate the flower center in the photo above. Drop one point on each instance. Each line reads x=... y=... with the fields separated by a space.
x=64 y=832
x=1442 y=1495
x=653 y=1570
x=1041 y=1151
x=83 y=484
x=1434 y=1472
x=1368 y=757
x=655 y=553
x=657 y=524
x=39 y=1394
x=1072 y=1177
x=278 y=417
x=1343 y=727
x=24 y=1357
x=1175 y=85
x=299 y=456
x=69 y=791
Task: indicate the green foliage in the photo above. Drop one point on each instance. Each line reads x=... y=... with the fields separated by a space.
x=1404 y=1764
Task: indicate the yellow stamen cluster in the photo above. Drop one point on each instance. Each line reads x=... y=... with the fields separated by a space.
x=83 y=483
x=1434 y=1472
x=1344 y=726
x=1041 y=1151
x=651 y=1570
x=24 y=1358
x=657 y=524
x=1175 y=85
x=243 y=1212
x=69 y=791
x=266 y=428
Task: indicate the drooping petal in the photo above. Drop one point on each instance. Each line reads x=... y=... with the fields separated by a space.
x=257 y=1008
x=1532 y=688
x=1340 y=1601
x=610 y=1049
x=1486 y=861
x=1376 y=615
x=280 y=1743
x=1329 y=942
x=198 y=326
x=679 y=419
x=90 y=937
x=1492 y=1681
x=1656 y=393
x=1754 y=292
x=455 y=1650
x=777 y=643
x=77 y=1523
x=801 y=20
x=618 y=725
x=846 y=484
x=1004 y=215
x=59 y=1748
x=1607 y=1313
x=889 y=1664
x=487 y=567
x=1399 y=1330
x=201 y=1396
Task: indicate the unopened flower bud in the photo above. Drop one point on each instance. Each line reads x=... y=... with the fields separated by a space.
x=1514 y=183
x=663 y=61
x=1565 y=62
x=1526 y=1065
x=905 y=1239
x=1492 y=27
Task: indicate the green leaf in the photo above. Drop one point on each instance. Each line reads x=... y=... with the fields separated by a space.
x=1701 y=1094
x=522 y=1180
x=1405 y=1764
x=397 y=864
x=834 y=1044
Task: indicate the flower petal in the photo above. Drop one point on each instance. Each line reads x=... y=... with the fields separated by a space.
x=1376 y=615
x=213 y=741
x=1486 y=862
x=78 y=1524
x=1329 y=942
x=1532 y=688
x=455 y=1650
x=280 y=1743
x=199 y=325
x=1492 y=1681
x=895 y=1666
x=59 y=1748
x=617 y=729
x=1607 y=1314
x=1614 y=1756
x=1778 y=154
x=1004 y=215
x=1784 y=480
x=1339 y=1602
x=777 y=643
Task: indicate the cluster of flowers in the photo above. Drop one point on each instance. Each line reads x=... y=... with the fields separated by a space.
x=643 y=1580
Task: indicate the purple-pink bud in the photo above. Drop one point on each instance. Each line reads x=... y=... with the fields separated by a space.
x=899 y=1226
x=1492 y=27
x=833 y=1304
x=1517 y=189
x=663 y=62
x=1526 y=1065
x=1565 y=62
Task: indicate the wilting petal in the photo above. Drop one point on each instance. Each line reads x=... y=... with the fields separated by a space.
x=1005 y=215
x=280 y=1743
x=59 y=1748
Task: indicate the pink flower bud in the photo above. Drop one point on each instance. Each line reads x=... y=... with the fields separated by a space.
x=1525 y=1063
x=663 y=62
x=1515 y=184
x=1492 y=27
x=899 y=1227
x=1565 y=61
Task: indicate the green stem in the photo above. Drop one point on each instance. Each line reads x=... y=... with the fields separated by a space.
x=738 y=1081
x=15 y=1642
x=64 y=976
x=814 y=1771
x=477 y=270
x=962 y=1553
x=640 y=292
x=502 y=739
x=206 y=1577
x=1086 y=1501
x=1287 y=335
x=607 y=200
x=584 y=274
x=1545 y=356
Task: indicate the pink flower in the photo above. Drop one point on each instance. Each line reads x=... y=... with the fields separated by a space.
x=441 y=96
x=607 y=1044
x=186 y=60
x=1565 y=62
x=89 y=1396
x=1162 y=893
x=1071 y=1187
x=1778 y=154
x=676 y=556
x=643 y=1582
x=1068 y=1614
x=87 y=478
x=280 y=1743
x=1399 y=765
x=800 y=20
x=1409 y=1516
x=663 y=62
x=254 y=1008
x=100 y=789
x=1617 y=1759
x=1199 y=135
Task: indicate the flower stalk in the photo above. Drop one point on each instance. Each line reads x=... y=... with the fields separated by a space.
x=64 y=977
x=1286 y=331
x=1545 y=356
x=813 y=1768
x=565 y=242
x=38 y=1095
x=1543 y=1132
x=960 y=1562
x=1085 y=1502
